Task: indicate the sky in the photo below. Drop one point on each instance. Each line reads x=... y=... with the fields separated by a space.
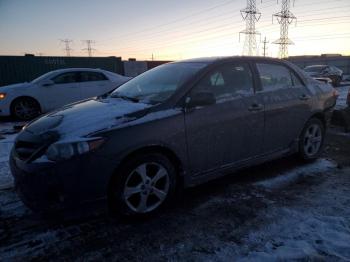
x=167 y=29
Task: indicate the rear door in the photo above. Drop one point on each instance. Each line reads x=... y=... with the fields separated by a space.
x=230 y=130
x=286 y=101
x=65 y=90
x=94 y=84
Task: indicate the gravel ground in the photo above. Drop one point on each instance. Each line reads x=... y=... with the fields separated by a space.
x=282 y=210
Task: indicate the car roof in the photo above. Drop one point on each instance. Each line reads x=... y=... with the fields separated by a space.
x=64 y=70
x=210 y=60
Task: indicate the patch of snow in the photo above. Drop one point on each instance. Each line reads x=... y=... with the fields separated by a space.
x=289 y=177
x=97 y=115
x=301 y=234
x=6 y=143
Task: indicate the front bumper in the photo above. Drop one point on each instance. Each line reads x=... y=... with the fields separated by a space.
x=5 y=107
x=61 y=186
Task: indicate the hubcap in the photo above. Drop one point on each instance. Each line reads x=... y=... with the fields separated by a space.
x=26 y=109
x=312 y=140
x=146 y=187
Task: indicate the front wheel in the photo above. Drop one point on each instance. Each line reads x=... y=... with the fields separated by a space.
x=311 y=140
x=25 y=108
x=143 y=185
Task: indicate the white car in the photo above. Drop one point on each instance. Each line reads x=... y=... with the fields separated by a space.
x=55 y=89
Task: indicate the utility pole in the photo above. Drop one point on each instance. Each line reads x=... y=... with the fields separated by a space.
x=251 y=15
x=284 y=18
x=67 y=43
x=265 y=47
x=89 y=48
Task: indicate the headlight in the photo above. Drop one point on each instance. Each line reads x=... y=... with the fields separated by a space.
x=2 y=96
x=62 y=151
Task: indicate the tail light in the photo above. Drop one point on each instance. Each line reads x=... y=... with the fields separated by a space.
x=336 y=93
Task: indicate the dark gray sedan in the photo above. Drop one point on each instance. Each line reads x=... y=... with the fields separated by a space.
x=174 y=126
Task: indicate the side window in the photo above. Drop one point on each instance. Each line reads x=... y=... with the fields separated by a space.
x=65 y=78
x=227 y=81
x=274 y=77
x=295 y=80
x=92 y=76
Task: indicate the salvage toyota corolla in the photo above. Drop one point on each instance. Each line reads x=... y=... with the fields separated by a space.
x=177 y=125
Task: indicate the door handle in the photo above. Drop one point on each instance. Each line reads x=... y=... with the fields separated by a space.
x=304 y=97
x=256 y=107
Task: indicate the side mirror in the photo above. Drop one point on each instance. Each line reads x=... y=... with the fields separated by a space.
x=201 y=99
x=48 y=83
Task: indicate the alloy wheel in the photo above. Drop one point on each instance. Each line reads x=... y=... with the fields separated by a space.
x=312 y=140
x=146 y=187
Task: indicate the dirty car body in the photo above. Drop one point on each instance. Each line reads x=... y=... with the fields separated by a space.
x=68 y=158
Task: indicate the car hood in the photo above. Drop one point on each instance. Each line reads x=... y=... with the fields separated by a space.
x=85 y=118
x=14 y=87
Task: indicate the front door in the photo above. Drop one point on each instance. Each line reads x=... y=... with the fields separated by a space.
x=65 y=90
x=231 y=130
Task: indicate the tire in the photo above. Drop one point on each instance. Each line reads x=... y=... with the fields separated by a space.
x=311 y=140
x=142 y=186
x=25 y=108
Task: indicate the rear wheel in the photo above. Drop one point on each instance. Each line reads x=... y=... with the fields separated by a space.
x=311 y=140
x=143 y=185
x=25 y=108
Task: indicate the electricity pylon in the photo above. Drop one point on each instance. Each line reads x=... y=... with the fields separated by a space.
x=67 y=48
x=251 y=15
x=285 y=17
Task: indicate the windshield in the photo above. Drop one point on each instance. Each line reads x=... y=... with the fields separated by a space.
x=42 y=77
x=158 y=84
x=317 y=69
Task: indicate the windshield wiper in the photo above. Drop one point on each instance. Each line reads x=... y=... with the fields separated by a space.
x=133 y=99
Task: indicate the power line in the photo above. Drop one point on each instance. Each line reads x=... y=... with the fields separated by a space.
x=89 y=48
x=178 y=19
x=204 y=21
x=67 y=43
x=284 y=18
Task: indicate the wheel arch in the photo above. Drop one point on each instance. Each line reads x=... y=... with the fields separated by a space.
x=320 y=116
x=164 y=150
x=21 y=97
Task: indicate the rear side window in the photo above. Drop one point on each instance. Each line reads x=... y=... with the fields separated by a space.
x=92 y=76
x=227 y=81
x=273 y=77
x=65 y=78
